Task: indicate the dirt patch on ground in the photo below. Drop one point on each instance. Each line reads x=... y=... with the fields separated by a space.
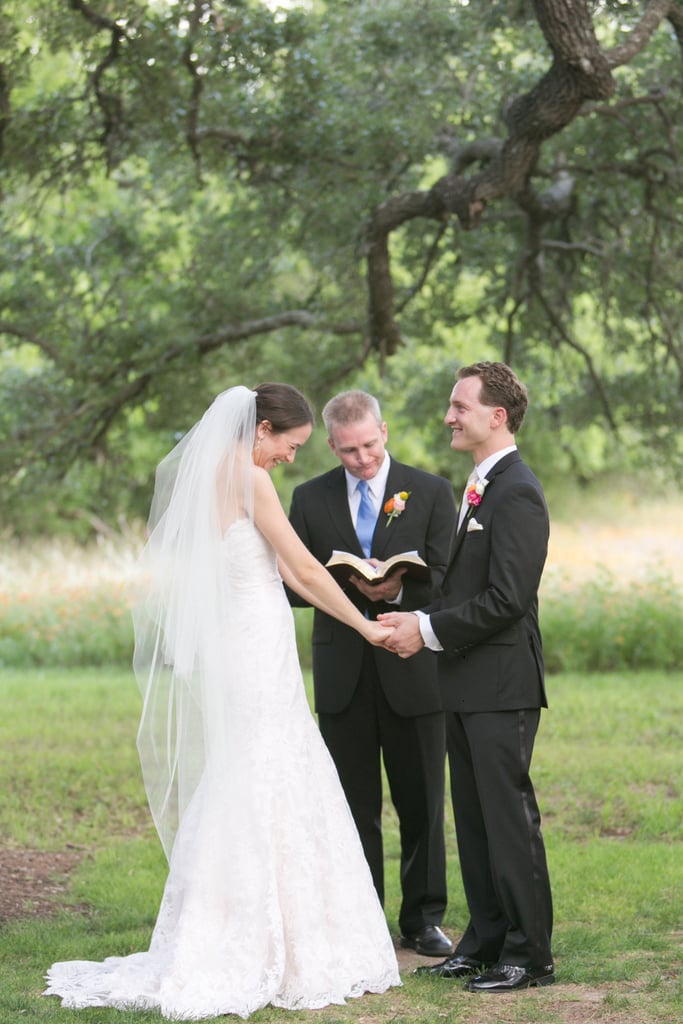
x=33 y=881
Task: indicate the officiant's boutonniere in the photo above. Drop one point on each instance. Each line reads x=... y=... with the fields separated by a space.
x=475 y=492
x=396 y=504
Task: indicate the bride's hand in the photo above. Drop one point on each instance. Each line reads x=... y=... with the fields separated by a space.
x=376 y=634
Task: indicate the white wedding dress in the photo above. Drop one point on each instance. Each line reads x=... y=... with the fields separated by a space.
x=269 y=899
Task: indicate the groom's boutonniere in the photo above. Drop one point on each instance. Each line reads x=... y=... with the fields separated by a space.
x=395 y=505
x=475 y=492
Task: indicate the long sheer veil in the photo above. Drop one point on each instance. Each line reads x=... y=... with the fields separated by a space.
x=201 y=488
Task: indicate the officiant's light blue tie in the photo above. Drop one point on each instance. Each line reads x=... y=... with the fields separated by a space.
x=367 y=518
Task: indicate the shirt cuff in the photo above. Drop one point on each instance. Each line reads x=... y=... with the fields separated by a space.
x=426 y=631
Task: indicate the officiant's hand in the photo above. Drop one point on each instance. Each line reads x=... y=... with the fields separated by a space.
x=406 y=638
x=376 y=634
x=388 y=590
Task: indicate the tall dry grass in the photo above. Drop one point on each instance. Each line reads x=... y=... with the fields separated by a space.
x=611 y=596
x=39 y=567
x=65 y=605
x=626 y=535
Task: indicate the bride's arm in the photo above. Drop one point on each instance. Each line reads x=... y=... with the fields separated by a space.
x=294 y=584
x=300 y=570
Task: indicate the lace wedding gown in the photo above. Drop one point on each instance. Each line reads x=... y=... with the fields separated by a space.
x=268 y=898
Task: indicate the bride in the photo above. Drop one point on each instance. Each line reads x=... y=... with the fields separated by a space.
x=269 y=899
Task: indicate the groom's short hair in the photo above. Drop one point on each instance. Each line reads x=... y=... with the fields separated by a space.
x=500 y=386
x=350 y=407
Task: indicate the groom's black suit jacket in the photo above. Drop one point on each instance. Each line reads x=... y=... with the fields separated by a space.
x=491 y=678
x=487 y=619
x=320 y=515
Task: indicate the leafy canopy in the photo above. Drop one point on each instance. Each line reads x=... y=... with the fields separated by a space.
x=333 y=193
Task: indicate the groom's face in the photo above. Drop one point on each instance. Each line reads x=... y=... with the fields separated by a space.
x=473 y=425
x=359 y=446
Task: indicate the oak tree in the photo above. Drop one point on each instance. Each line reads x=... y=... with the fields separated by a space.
x=199 y=193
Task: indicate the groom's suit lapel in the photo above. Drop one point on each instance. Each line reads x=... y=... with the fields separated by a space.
x=499 y=468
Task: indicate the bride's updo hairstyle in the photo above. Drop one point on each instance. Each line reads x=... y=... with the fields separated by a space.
x=283 y=406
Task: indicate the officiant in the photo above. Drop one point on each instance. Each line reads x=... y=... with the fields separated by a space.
x=374 y=707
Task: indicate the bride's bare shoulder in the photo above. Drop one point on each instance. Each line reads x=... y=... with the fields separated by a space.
x=264 y=488
x=261 y=476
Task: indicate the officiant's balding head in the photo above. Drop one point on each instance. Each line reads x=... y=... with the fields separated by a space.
x=356 y=432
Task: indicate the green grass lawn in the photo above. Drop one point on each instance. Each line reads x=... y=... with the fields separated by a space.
x=608 y=772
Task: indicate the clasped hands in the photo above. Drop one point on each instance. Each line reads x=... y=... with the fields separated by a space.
x=405 y=638
x=400 y=632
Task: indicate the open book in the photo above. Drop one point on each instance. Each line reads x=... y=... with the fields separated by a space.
x=343 y=564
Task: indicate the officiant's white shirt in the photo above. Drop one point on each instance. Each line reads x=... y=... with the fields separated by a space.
x=376 y=488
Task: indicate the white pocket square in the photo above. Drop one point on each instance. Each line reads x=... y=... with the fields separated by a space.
x=473 y=525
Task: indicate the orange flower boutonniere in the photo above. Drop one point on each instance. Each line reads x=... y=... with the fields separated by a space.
x=395 y=505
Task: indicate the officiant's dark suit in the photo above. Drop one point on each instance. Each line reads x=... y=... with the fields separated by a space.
x=485 y=627
x=371 y=704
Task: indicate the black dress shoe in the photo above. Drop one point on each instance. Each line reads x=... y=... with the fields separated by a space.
x=510 y=978
x=454 y=967
x=429 y=941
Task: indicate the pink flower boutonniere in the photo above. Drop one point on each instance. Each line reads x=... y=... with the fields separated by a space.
x=395 y=505
x=475 y=492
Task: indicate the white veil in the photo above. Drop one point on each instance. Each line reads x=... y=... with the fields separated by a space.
x=201 y=487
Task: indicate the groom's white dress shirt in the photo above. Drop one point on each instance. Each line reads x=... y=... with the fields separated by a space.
x=480 y=471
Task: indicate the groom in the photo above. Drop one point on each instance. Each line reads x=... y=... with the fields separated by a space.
x=491 y=674
x=371 y=705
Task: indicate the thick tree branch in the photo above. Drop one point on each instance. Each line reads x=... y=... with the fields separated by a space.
x=4 y=108
x=248 y=328
x=33 y=339
x=109 y=104
x=655 y=13
x=579 y=72
x=100 y=21
x=97 y=415
x=190 y=62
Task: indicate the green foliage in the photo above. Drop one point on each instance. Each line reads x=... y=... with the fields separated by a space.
x=65 y=605
x=596 y=626
x=77 y=626
x=72 y=611
x=604 y=625
x=177 y=179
